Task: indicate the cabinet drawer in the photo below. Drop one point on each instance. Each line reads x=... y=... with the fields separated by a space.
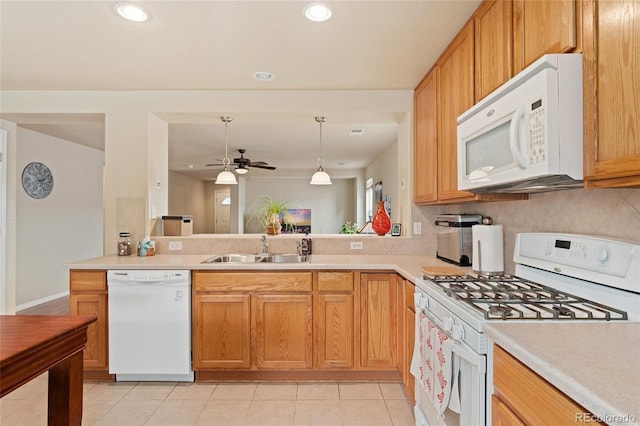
x=528 y=395
x=335 y=281
x=252 y=281
x=88 y=280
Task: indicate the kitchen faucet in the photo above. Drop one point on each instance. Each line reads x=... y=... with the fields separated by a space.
x=265 y=246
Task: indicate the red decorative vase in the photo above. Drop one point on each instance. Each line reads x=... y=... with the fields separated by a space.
x=381 y=222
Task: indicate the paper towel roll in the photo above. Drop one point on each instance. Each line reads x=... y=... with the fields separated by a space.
x=487 y=253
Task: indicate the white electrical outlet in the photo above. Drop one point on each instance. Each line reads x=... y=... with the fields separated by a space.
x=357 y=245
x=175 y=245
x=417 y=228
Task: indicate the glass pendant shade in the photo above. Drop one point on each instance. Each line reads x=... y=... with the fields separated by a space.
x=320 y=177
x=225 y=177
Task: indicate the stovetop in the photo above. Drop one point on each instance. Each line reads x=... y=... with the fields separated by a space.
x=508 y=297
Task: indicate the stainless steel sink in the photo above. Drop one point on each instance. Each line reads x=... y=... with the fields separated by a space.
x=234 y=258
x=258 y=258
x=285 y=258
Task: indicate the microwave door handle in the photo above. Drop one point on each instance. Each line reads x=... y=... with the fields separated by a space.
x=515 y=136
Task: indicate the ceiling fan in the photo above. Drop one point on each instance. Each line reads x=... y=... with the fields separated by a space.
x=242 y=163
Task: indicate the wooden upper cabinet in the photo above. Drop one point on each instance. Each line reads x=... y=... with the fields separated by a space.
x=611 y=93
x=455 y=96
x=541 y=27
x=493 y=46
x=425 y=145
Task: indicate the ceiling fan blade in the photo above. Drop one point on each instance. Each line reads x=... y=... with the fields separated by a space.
x=215 y=165
x=257 y=163
x=260 y=166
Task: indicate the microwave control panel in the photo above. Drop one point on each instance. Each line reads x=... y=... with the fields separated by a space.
x=538 y=136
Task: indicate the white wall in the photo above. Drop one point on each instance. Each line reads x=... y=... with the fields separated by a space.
x=129 y=134
x=385 y=169
x=331 y=205
x=187 y=197
x=8 y=295
x=66 y=226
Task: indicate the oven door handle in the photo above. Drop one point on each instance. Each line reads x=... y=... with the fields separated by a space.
x=458 y=347
x=471 y=357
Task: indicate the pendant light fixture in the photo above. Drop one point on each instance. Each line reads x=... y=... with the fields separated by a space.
x=225 y=177
x=320 y=177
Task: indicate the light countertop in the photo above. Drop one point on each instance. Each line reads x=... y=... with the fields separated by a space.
x=409 y=266
x=594 y=363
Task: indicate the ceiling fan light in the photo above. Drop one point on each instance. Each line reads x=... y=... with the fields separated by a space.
x=241 y=170
x=320 y=177
x=225 y=177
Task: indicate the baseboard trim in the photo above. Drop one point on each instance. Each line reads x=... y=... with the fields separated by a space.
x=41 y=301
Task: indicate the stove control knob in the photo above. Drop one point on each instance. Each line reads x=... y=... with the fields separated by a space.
x=457 y=333
x=603 y=255
x=447 y=323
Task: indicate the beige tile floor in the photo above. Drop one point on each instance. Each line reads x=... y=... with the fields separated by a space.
x=176 y=404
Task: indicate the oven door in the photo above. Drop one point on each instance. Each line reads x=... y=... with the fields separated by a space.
x=470 y=382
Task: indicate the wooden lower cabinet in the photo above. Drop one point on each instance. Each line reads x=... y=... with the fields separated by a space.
x=379 y=320
x=501 y=414
x=282 y=325
x=334 y=320
x=523 y=397
x=409 y=338
x=252 y=321
x=221 y=330
x=88 y=296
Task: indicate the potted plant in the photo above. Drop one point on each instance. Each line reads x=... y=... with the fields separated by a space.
x=272 y=214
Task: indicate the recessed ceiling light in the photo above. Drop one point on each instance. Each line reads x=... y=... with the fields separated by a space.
x=264 y=76
x=317 y=12
x=131 y=12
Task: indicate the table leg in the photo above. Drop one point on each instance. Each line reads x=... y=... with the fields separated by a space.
x=65 y=392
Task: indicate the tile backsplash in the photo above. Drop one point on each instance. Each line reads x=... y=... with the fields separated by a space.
x=613 y=213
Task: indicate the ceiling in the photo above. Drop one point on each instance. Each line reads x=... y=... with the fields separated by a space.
x=219 y=45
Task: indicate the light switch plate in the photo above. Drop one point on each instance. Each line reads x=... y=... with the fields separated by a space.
x=417 y=228
x=357 y=245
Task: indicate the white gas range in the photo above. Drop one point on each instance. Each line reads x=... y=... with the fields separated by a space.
x=558 y=277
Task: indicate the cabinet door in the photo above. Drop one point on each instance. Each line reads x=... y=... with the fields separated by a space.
x=501 y=415
x=425 y=144
x=221 y=331
x=493 y=45
x=611 y=93
x=409 y=339
x=378 y=310
x=283 y=330
x=541 y=27
x=455 y=96
x=96 y=353
x=334 y=330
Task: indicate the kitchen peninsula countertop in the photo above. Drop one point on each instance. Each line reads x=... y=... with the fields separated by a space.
x=594 y=363
x=409 y=266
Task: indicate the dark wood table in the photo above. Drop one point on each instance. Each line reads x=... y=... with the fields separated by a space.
x=33 y=344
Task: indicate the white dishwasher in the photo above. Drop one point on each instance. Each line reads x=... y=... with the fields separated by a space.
x=150 y=325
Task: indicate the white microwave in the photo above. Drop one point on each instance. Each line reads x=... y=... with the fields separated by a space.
x=526 y=136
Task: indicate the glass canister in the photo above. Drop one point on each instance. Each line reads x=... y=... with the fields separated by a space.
x=124 y=244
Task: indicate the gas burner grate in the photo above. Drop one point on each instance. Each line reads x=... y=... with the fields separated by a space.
x=510 y=297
